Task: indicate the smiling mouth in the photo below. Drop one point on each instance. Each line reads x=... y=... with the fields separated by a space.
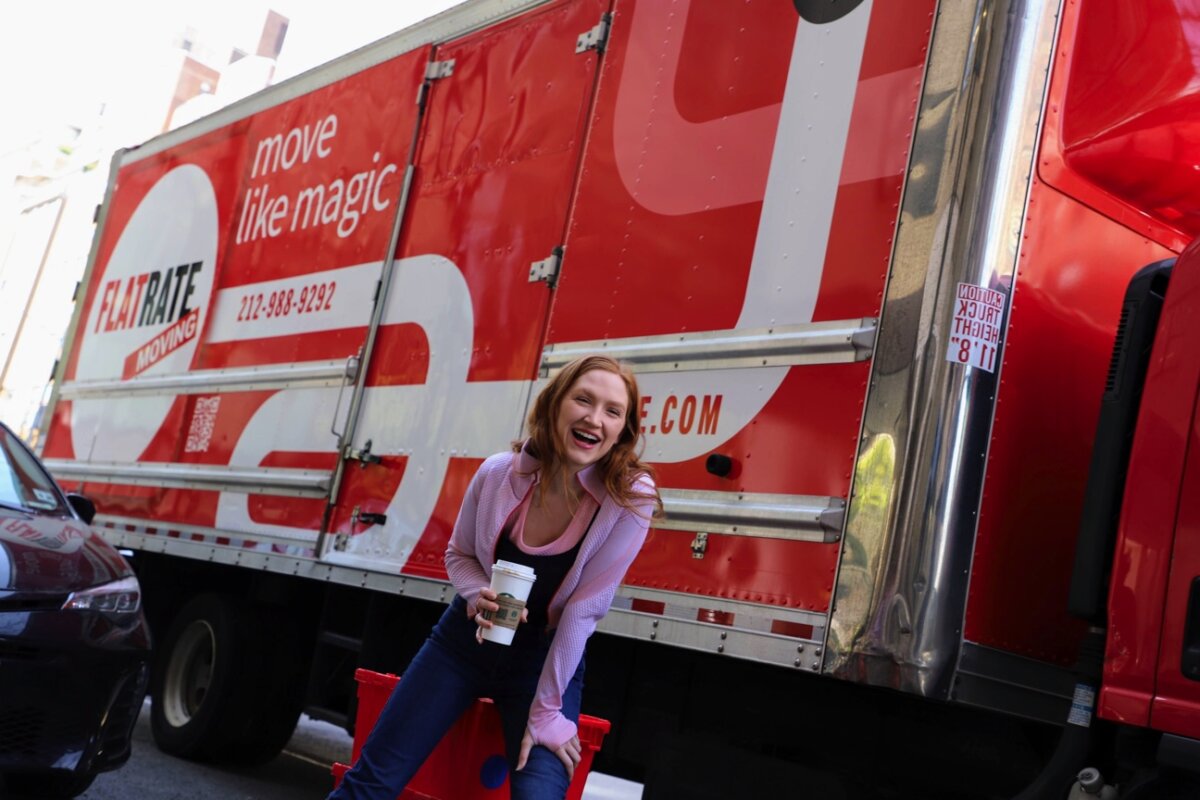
x=585 y=438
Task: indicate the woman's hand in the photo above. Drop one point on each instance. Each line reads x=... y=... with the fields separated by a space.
x=486 y=601
x=569 y=754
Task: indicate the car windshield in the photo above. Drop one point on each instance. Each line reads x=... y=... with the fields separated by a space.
x=23 y=483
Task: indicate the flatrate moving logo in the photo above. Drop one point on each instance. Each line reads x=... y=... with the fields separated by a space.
x=151 y=299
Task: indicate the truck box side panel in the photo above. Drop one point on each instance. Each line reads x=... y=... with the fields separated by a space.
x=517 y=154
x=139 y=252
x=671 y=201
x=234 y=277
x=718 y=202
x=795 y=459
x=463 y=324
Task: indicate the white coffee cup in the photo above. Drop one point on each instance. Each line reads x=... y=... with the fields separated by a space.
x=511 y=583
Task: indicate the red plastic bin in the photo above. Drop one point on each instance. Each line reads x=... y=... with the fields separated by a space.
x=469 y=762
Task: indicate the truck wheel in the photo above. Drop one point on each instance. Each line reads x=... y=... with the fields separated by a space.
x=268 y=724
x=193 y=684
x=223 y=686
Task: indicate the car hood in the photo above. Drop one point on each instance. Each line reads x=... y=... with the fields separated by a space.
x=49 y=555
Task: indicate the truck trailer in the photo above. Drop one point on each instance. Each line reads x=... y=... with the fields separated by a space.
x=882 y=245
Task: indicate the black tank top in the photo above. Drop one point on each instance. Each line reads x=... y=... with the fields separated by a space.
x=550 y=569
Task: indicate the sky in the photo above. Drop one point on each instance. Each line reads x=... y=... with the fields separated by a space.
x=61 y=58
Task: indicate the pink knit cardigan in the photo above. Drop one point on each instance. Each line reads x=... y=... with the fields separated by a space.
x=587 y=590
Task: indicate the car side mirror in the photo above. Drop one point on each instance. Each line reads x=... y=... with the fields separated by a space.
x=85 y=508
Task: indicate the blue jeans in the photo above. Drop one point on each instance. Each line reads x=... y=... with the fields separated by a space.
x=449 y=673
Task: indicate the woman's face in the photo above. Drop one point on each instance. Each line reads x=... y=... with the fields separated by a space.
x=591 y=417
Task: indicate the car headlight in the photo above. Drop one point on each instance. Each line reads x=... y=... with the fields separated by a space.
x=117 y=599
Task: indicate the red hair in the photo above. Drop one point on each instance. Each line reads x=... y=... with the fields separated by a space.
x=622 y=466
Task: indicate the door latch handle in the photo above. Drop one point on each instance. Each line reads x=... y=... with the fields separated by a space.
x=349 y=375
x=368 y=517
x=365 y=456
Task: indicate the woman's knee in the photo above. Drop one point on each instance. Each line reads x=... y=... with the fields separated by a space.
x=544 y=777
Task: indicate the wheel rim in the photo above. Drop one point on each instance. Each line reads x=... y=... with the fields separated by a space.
x=189 y=673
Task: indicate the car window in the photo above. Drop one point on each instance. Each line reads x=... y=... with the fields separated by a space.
x=22 y=481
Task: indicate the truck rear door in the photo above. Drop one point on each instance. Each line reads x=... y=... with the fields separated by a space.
x=730 y=239
x=461 y=333
x=232 y=282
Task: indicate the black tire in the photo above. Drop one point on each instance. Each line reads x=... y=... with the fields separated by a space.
x=222 y=688
x=56 y=785
x=270 y=720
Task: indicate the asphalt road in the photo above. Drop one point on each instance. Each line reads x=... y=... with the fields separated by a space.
x=301 y=772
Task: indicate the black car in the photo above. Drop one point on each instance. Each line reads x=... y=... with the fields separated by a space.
x=74 y=644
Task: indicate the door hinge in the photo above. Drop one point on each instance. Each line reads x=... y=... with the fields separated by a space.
x=700 y=545
x=439 y=69
x=547 y=269
x=596 y=38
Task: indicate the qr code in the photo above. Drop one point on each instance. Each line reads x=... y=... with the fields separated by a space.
x=204 y=417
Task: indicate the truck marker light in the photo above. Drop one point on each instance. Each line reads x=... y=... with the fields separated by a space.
x=718 y=464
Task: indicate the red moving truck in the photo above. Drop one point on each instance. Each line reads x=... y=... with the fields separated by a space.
x=868 y=258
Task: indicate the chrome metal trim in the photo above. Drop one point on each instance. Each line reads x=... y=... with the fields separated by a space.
x=705 y=637
x=300 y=566
x=255 y=480
x=772 y=516
x=903 y=575
x=450 y=24
x=283 y=537
x=834 y=342
x=1001 y=681
x=748 y=616
x=238 y=379
x=719 y=639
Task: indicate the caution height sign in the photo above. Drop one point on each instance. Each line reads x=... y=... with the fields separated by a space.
x=975 y=330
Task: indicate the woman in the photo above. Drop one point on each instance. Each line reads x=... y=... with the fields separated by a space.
x=573 y=502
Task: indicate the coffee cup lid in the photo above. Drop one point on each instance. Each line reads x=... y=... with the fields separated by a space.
x=518 y=569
